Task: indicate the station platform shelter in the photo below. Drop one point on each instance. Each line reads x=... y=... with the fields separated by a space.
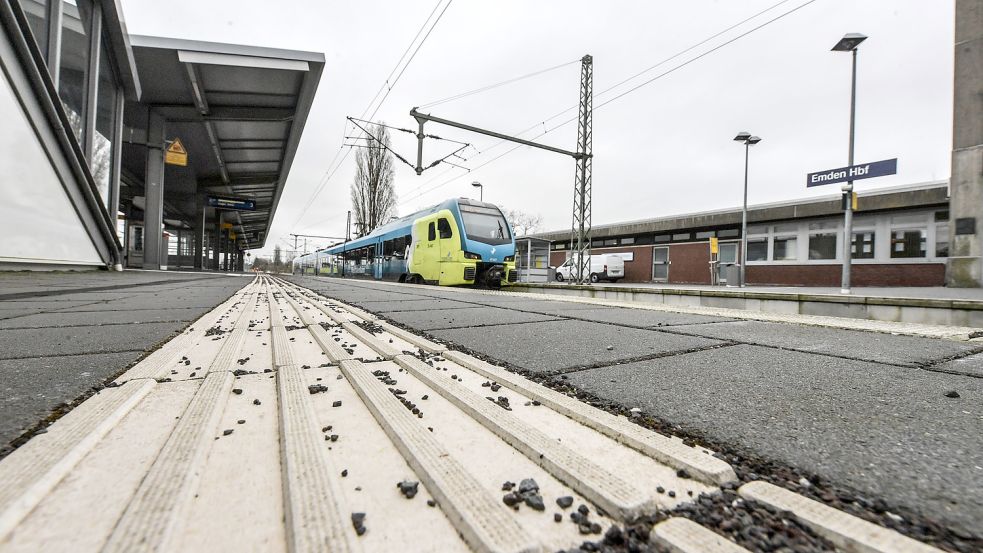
x=108 y=135
x=900 y=237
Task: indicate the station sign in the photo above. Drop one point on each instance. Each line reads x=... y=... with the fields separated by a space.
x=853 y=172
x=175 y=154
x=238 y=204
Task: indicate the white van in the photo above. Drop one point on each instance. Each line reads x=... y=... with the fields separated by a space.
x=607 y=266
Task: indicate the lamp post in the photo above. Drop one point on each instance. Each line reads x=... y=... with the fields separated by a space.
x=748 y=141
x=478 y=185
x=849 y=43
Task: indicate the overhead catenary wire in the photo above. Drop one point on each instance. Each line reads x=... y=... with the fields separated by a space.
x=547 y=130
x=498 y=84
x=635 y=88
x=601 y=93
x=387 y=86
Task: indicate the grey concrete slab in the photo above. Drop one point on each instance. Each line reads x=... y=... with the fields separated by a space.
x=970 y=365
x=869 y=346
x=557 y=345
x=889 y=431
x=462 y=318
x=629 y=317
x=91 y=318
x=39 y=305
x=77 y=340
x=131 y=304
x=430 y=304
x=31 y=388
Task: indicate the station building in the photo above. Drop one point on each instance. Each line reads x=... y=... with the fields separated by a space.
x=89 y=115
x=900 y=238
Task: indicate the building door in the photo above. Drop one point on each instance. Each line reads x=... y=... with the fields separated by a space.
x=726 y=258
x=660 y=264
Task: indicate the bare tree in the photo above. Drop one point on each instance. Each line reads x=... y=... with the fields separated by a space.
x=373 y=193
x=523 y=224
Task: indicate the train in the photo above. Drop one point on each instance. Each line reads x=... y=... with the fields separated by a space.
x=457 y=242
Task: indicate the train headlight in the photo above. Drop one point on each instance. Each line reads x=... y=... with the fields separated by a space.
x=509 y=258
x=469 y=255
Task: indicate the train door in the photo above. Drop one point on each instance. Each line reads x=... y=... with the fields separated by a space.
x=426 y=251
x=446 y=245
x=379 y=261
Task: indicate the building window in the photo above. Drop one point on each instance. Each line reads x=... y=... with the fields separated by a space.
x=627 y=241
x=682 y=236
x=862 y=245
x=560 y=246
x=941 y=216
x=757 y=250
x=822 y=245
x=942 y=238
x=102 y=143
x=786 y=228
x=908 y=243
x=704 y=234
x=732 y=233
x=74 y=68
x=611 y=242
x=786 y=248
x=37 y=13
x=660 y=238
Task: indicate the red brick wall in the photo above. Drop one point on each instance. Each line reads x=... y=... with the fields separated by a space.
x=900 y=274
x=689 y=263
x=690 y=266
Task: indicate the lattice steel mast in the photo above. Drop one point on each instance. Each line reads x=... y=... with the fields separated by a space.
x=580 y=229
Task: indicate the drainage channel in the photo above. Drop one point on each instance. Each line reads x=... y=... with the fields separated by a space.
x=281 y=421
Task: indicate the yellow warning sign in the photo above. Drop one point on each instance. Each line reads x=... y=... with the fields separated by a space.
x=176 y=154
x=714 y=246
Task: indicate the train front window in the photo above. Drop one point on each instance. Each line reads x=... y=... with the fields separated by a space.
x=485 y=224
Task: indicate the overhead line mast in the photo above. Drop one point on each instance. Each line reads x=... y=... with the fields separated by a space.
x=581 y=228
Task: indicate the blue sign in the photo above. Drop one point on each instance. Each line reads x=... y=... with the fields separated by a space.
x=232 y=203
x=853 y=172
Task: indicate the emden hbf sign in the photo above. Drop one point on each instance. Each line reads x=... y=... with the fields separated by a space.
x=853 y=172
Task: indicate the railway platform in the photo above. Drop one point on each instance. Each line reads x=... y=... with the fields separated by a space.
x=311 y=414
x=938 y=305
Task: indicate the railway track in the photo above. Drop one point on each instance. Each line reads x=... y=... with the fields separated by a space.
x=284 y=421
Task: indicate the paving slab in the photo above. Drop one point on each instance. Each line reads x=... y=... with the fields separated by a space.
x=17 y=343
x=557 y=345
x=31 y=388
x=889 y=431
x=463 y=318
x=46 y=320
x=629 y=317
x=868 y=346
x=413 y=305
x=971 y=365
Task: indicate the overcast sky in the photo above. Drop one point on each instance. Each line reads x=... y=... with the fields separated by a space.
x=661 y=150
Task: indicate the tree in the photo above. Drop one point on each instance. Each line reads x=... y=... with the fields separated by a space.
x=373 y=193
x=523 y=224
x=277 y=257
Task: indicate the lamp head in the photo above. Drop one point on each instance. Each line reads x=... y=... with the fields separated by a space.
x=752 y=140
x=742 y=136
x=849 y=42
x=476 y=184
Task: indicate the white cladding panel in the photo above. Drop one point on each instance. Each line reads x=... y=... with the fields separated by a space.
x=37 y=220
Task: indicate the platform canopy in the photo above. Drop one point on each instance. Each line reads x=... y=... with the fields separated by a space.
x=239 y=111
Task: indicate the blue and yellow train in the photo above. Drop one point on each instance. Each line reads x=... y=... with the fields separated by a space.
x=456 y=242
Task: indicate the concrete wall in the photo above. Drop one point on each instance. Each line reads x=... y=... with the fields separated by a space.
x=965 y=265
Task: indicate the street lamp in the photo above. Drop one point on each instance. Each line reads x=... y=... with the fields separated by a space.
x=748 y=141
x=477 y=184
x=849 y=43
